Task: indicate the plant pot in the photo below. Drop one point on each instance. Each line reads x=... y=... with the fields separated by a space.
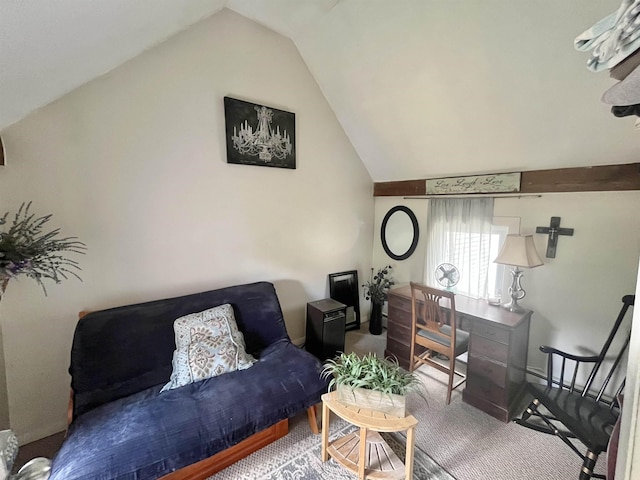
x=375 y=321
x=373 y=399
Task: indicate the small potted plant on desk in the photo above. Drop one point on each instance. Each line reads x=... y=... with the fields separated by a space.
x=376 y=290
x=371 y=382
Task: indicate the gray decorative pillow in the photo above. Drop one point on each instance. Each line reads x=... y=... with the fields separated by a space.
x=208 y=344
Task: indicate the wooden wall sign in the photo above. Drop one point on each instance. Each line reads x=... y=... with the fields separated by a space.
x=497 y=183
x=601 y=178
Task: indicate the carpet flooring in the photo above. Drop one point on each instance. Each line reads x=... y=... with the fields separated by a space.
x=464 y=441
x=298 y=456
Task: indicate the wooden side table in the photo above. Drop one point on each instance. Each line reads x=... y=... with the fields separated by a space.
x=352 y=451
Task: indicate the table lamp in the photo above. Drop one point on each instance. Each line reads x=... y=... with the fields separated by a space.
x=518 y=251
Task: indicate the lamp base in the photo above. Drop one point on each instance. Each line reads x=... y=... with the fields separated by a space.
x=513 y=306
x=516 y=292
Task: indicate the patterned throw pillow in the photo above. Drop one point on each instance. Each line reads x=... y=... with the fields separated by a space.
x=208 y=344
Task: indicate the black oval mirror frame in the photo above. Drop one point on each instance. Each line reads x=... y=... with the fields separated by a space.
x=416 y=233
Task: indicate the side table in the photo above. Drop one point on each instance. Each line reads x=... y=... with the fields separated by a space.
x=352 y=451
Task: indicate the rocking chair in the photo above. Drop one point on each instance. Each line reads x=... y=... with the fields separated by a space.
x=571 y=412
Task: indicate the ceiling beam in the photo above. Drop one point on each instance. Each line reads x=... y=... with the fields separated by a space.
x=582 y=179
x=585 y=179
x=405 y=187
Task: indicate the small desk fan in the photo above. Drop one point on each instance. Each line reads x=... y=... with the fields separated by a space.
x=447 y=275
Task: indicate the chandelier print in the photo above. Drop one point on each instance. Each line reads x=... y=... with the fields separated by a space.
x=259 y=135
x=263 y=142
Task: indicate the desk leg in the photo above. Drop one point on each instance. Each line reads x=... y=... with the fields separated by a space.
x=408 y=464
x=362 y=461
x=325 y=431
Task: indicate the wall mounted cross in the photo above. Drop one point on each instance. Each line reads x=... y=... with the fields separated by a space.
x=554 y=231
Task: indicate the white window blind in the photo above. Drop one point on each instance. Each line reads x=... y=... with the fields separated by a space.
x=459 y=233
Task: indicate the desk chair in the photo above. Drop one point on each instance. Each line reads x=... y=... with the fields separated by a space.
x=433 y=327
x=561 y=407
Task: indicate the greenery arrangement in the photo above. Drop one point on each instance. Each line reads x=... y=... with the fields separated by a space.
x=25 y=249
x=370 y=372
x=378 y=285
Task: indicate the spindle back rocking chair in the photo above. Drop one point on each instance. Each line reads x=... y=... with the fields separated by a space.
x=589 y=413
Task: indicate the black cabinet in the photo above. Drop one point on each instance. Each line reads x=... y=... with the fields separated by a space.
x=325 y=328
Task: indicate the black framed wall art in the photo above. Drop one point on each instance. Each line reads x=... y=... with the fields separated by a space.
x=259 y=135
x=343 y=287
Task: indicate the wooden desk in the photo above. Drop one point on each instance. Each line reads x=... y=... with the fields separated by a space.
x=497 y=356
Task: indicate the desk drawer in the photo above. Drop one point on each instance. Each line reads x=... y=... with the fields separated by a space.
x=399 y=332
x=483 y=347
x=487 y=371
x=399 y=315
x=398 y=349
x=487 y=330
x=487 y=390
x=401 y=351
x=464 y=322
x=400 y=301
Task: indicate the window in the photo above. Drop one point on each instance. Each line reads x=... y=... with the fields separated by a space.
x=495 y=274
x=467 y=249
x=471 y=265
x=465 y=233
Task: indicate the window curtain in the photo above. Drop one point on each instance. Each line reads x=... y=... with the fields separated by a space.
x=459 y=233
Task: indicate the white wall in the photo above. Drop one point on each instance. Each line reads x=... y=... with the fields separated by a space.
x=575 y=296
x=134 y=165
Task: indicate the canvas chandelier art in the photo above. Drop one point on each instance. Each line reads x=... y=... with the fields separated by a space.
x=259 y=135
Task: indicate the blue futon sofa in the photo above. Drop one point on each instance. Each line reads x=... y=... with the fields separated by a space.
x=122 y=427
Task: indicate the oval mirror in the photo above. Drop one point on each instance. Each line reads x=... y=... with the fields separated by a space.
x=399 y=232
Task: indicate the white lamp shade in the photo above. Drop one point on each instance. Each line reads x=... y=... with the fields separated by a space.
x=519 y=251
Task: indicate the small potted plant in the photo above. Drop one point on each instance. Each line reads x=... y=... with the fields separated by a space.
x=370 y=382
x=376 y=290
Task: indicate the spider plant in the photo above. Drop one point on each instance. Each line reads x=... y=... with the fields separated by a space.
x=370 y=372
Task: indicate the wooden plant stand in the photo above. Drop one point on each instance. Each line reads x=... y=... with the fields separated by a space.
x=380 y=462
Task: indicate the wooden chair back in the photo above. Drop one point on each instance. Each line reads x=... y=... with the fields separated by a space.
x=433 y=330
x=428 y=313
x=604 y=367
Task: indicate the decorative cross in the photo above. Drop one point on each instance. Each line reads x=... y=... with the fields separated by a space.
x=554 y=231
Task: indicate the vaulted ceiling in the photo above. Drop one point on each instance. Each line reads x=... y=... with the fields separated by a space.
x=423 y=88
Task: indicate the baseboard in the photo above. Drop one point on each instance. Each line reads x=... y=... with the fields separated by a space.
x=40 y=433
x=536 y=372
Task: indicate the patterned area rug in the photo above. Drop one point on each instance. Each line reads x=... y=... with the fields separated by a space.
x=300 y=459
